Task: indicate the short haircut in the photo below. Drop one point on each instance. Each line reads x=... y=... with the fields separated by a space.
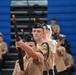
x=1 y=36
x=53 y=19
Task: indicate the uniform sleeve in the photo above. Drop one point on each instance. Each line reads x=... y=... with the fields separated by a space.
x=62 y=50
x=53 y=46
x=71 y=61
x=0 y=52
x=40 y=58
x=15 y=68
x=5 y=48
x=43 y=48
x=58 y=29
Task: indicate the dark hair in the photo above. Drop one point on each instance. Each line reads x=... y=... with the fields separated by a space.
x=59 y=39
x=48 y=29
x=43 y=24
x=53 y=19
x=1 y=36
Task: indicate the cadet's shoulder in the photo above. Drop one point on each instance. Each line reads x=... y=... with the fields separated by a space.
x=46 y=42
x=3 y=42
x=69 y=55
x=17 y=62
x=54 y=42
x=63 y=48
x=57 y=25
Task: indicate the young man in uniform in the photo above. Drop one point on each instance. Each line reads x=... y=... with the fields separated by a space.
x=43 y=45
x=33 y=60
x=55 y=27
x=53 y=44
x=3 y=50
x=60 y=57
x=69 y=62
x=65 y=43
x=47 y=38
x=49 y=32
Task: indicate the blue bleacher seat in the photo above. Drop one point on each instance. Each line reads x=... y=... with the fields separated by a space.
x=61 y=17
x=7 y=37
x=60 y=10
x=4 y=17
x=71 y=37
x=74 y=57
x=4 y=24
x=4 y=3
x=66 y=24
x=74 y=9
x=5 y=30
x=60 y=3
x=71 y=31
x=4 y=10
x=73 y=44
x=73 y=51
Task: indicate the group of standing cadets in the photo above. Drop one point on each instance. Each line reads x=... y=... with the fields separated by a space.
x=44 y=55
x=67 y=59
